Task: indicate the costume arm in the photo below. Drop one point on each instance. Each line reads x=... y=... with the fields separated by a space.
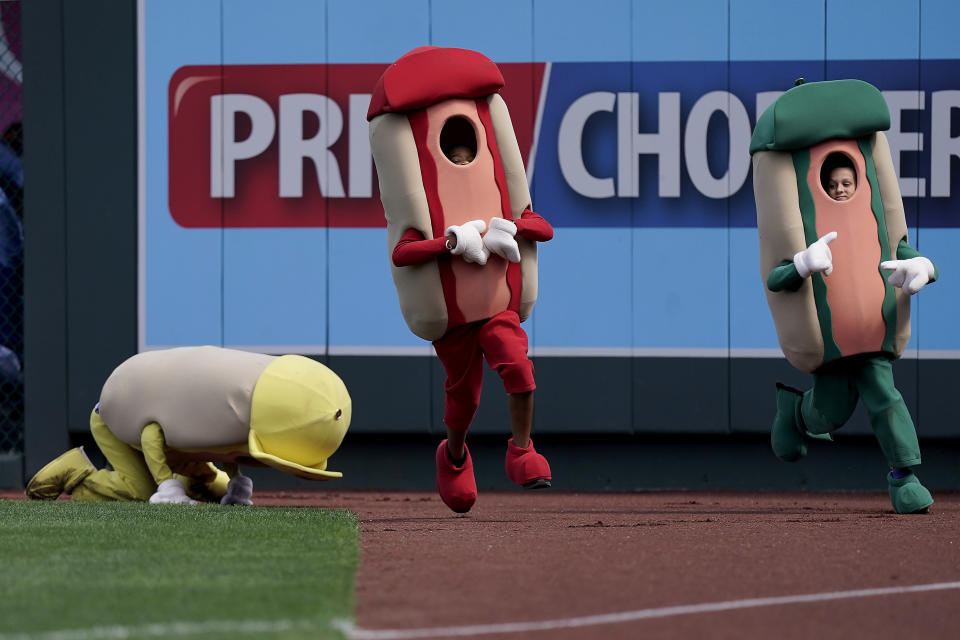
x=533 y=227
x=905 y=252
x=414 y=249
x=784 y=277
x=169 y=490
x=153 y=445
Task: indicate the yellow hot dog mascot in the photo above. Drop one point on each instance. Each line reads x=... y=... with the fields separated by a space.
x=838 y=269
x=165 y=417
x=462 y=239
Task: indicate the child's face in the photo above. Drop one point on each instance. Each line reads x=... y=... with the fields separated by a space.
x=842 y=184
x=461 y=155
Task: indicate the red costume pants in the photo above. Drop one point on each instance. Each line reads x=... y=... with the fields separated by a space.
x=503 y=343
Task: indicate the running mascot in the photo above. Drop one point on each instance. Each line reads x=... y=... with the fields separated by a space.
x=165 y=417
x=838 y=270
x=462 y=240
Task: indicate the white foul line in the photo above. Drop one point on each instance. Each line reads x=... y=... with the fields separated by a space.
x=257 y=628
x=356 y=633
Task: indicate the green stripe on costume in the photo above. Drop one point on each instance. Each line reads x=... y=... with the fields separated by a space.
x=808 y=213
x=889 y=306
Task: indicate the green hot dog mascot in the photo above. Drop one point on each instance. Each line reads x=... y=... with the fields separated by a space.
x=838 y=269
x=165 y=417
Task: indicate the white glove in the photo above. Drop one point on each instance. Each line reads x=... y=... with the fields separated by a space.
x=469 y=242
x=911 y=274
x=500 y=239
x=171 y=492
x=239 y=491
x=816 y=258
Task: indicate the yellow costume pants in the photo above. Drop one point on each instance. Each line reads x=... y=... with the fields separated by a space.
x=136 y=473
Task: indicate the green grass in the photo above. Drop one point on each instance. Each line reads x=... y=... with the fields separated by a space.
x=184 y=571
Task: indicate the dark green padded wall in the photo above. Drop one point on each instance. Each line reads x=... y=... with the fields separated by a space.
x=80 y=92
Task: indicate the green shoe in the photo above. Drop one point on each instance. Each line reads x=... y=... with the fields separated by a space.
x=786 y=437
x=908 y=495
x=62 y=475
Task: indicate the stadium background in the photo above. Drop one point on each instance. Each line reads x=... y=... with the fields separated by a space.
x=654 y=349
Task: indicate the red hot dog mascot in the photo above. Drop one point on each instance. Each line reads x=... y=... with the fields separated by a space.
x=838 y=269
x=462 y=239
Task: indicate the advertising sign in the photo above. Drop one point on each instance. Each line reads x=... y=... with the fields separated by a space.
x=261 y=210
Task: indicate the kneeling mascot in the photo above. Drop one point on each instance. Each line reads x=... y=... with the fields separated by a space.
x=165 y=417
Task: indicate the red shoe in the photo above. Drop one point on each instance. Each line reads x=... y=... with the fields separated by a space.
x=526 y=467
x=456 y=485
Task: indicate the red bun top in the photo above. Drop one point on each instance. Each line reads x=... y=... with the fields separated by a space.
x=428 y=75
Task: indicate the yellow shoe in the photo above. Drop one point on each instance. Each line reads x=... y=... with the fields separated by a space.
x=61 y=475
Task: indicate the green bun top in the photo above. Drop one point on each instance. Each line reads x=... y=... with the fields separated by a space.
x=813 y=112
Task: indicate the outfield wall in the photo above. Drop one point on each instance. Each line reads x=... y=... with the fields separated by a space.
x=633 y=119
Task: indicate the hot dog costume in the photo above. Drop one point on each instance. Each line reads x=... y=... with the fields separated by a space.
x=165 y=417
x=838 y=274
x=468 y=299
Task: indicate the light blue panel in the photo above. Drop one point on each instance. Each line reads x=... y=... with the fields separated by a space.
x=584 y=289
x=936 y=308
x=913 y=343
x=666 y=30
x=502 y=30
x=938 y=29
x=751 y=325
x=274 y=287
x=364 y=309
x=680 y=288
x=873 y=30
x=280 y=31
x=181 y=32
x=577 y=31
x=783 y=30
x=375 y=30
x=182 y=294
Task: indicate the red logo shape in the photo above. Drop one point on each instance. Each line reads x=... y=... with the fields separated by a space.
x=286 y=145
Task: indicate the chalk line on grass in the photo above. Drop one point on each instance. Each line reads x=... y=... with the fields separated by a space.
x=168 y=630
x=357 y=633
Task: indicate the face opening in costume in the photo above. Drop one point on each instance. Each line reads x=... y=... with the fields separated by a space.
x=458 y=140
x=838 y=176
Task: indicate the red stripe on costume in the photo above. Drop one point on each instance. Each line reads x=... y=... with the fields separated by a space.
x=428 y=171
x=514 y=275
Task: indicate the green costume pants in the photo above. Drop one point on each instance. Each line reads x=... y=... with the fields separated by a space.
x=828 y=405
x=136 y=473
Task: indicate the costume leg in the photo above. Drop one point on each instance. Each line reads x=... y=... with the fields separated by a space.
x=829 y=404
x=896 y=434
x=889 y=416
x=130 y=478
x=786 y=435
x=504 y=344
x=61 y=475
x=463 y=362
